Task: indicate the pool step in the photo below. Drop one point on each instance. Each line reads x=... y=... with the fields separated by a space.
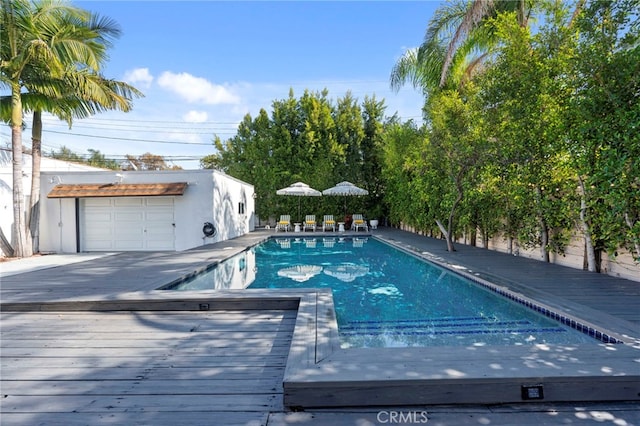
x=443 y=328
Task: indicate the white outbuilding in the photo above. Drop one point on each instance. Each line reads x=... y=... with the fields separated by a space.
x=6 y=182
x=142 y=210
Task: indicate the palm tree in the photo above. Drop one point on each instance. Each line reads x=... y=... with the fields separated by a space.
x=458 y=39
x=82 y=94
x=45 y=46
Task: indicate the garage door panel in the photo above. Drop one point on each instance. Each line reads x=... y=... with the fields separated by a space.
x=103 y=232
x=127 y=224
x=99 y=216
x=129 y=216
x=160 y=201
x=134 y=202
x=166 y=217
x=129 y=234
x=97 y=202
x=158 y=232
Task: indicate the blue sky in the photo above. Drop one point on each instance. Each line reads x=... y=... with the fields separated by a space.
x=203 y=65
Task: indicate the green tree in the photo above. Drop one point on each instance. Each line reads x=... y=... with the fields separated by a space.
x=372 y=157
x=604 y=126
x=146 y=161
x=317 y=151
x=349 y=137
x=66 y=154
x=307 y=139
x=458 y=39
x=401 y=146
x=53 y=51
x=453 y=157
x=97 y=159
x=252 y=155
x=524 y=102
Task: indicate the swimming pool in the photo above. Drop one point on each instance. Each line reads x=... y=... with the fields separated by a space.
x=385 y=297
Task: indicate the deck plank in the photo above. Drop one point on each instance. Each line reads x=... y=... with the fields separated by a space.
x=226 y=418
x=126 y=387
x=148 y=402
x=143 y=367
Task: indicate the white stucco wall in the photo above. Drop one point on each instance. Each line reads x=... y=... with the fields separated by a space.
x=211 y=196
x=6 y=182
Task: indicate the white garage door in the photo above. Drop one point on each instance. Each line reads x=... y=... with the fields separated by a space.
x=127 y=224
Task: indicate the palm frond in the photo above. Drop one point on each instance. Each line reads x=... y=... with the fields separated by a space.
x=477 y=10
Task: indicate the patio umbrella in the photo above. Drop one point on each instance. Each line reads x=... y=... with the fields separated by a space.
x=299 y=189
x=345 y=189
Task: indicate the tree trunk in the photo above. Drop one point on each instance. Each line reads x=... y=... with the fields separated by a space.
x=445 y=232
x=5 y=245
x=636 y=240
x=36 y=159
x=449 y=231
x=544 y=230
x=544 y=239
x=19 y=228
x=586 y=231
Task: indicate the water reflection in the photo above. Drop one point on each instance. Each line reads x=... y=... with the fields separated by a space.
x=237 y=272
x=284 y=242
x=359 y=242
x=328 y=242
x=300 y=273
x=346 y=272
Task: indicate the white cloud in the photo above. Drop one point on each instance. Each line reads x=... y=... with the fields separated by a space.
x=139 y=76
x=196 y=89
x=195 y=116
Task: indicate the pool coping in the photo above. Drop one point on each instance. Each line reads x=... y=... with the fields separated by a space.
x=321 y=374
x=557 y=312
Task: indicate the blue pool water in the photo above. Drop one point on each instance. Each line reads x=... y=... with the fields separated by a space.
x=387 y=298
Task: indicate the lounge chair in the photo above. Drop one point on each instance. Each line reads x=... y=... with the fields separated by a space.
x=329 y=222
x=359 y=222
x=310 y=222
x=285 y=223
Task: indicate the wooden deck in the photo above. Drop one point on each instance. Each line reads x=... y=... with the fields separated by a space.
x=143 y=367
x=77 y=349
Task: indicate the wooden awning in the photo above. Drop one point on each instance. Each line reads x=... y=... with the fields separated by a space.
x=117 y=190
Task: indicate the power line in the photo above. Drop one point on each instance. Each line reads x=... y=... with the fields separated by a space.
x=126 y=139
x=160 y=121
x=111 y=126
